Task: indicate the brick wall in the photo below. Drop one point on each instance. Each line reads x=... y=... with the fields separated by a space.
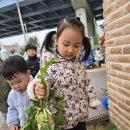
x=117 y=27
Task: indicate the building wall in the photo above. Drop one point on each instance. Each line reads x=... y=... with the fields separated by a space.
x=117 y=27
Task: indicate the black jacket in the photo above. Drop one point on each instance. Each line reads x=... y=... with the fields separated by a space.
x=33 y=64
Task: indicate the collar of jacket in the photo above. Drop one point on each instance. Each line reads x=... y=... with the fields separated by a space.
x=32 y=58
x=61 y=59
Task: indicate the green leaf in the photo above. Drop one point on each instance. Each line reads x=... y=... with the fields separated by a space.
x=60 y=105
x=59 y=119
x=55 y=94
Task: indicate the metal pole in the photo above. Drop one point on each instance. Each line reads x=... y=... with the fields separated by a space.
x=26 y=31
x=21 y=22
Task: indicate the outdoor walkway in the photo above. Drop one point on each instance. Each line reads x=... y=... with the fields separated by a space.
x=98 y=77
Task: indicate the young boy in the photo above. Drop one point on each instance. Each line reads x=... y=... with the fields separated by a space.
x=15 y=71
x=33 y=61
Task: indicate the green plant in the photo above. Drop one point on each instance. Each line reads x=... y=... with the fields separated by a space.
x=105 y=91
x=12 y=51
x=22 y=50
x=111 y=126
x=33 y=40
x=39 y=114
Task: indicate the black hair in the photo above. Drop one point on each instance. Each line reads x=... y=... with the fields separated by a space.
x=98 y=48
x=69 y=22
x=30 y=46
x=48 y=41
x=12 y=65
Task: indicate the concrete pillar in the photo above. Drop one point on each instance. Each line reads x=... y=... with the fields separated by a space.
x=83 y=11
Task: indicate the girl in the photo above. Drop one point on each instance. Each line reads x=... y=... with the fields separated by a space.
x=67 y=75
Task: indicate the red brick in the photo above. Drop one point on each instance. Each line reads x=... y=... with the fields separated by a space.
x=126 y=68
x=122 y=41
x=117 y=81
x=117 y=50
x=113 y=99
x=126 y=127
x=122 y=75
x=111 y=58
x=112 y=86
x=120 y=3
x=118 y=109
x=113 y=111
x=107 y=51
x=107 y=20
x=107 y=36
x=107 y=3
x=127 y=101
x=117 y=33
x=124 y=106
x=110 y=43
x=123 y=59
x=117 y=28
x=126 y=115
x=108 y=78
x=118 y=96
x=124 y=91
x=122 y=21
x=127 y=8
x=127 y=85
x=119 y=123
x=111 y=72
x=117 y=66
x=127 y=30
x=108 y=10
x=108 y=66
x=109 y=27
x=126 y=49
x=126 y=121
x=116 y=14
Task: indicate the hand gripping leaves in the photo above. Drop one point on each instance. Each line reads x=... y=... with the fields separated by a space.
x=39 y=114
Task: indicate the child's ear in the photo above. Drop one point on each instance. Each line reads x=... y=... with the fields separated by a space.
x=55 y=40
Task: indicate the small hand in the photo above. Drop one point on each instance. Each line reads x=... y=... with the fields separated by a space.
x=40 y=90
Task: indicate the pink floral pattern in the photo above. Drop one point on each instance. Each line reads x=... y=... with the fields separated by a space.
x=70 y=79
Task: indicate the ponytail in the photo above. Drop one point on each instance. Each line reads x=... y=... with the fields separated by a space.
x=48 y=42
x=86 y=49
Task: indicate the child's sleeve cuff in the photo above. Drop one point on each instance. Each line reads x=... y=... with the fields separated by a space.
x=30 y=89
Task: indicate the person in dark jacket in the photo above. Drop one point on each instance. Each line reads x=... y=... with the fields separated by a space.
x=33 y=61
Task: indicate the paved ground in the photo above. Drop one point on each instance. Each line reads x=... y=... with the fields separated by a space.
x=98 y=77
x=3 y=125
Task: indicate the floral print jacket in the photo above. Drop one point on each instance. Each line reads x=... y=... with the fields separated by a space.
x=70 y=79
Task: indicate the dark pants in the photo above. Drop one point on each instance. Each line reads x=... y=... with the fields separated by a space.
x=80 y=126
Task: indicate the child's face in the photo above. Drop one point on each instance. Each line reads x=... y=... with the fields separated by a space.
x=20 y=81
x=31 y=52
x=69 y=43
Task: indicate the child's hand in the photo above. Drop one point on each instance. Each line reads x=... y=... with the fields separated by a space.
x=15 y=127
x=36 y=89
x=40 y=90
